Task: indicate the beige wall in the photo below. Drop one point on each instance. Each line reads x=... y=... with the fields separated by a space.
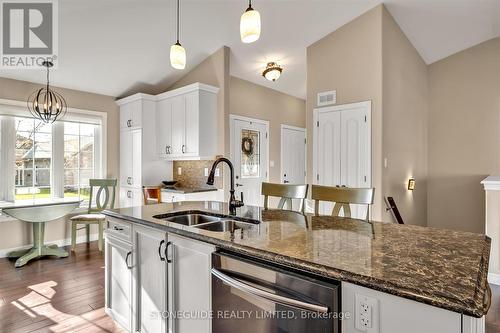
x=464 y=136
x=15 y=233
x=350 y=61
x=255 y=101
x=405 y=116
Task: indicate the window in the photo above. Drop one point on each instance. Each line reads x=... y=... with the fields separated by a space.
x=48 y=161
x=33 y=159
x=79 y=155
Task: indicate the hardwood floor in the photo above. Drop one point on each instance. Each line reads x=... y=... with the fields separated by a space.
x=67 y=295
x=55 y=295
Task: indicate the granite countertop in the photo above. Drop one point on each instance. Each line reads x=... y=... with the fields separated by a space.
x=186 y=190
x=444 y=268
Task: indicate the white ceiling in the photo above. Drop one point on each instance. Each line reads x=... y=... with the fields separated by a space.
x=116 y=47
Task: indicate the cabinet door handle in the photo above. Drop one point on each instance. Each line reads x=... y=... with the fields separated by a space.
x=129 y=253
x=238 y=185
x=183 y=149
x=166 y=252
x=129 y=194
x=117 y=228
x=159 y=250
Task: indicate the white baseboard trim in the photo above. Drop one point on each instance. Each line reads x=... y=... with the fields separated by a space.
x=494 y=278
x=59 y=242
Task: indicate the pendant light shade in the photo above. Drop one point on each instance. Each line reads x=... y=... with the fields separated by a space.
x=177 y=56
x=46 y=104
x=272 y=71
x=177 y=52
x=250 y=25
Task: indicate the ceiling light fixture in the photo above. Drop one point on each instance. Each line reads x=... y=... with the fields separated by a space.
x=250 y=25
x=46 y=104
x=272 y=71
x=177 y=52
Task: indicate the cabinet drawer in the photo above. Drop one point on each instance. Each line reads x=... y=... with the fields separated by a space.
x=119 y=229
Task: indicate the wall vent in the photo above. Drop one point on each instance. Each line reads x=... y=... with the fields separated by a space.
x=327 y=98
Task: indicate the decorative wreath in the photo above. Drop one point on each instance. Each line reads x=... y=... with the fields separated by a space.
x=247 y=146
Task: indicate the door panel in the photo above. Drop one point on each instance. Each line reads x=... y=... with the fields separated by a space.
x=125 y=157
x=293 y=154
x=136 y=158
x=151 y=273
x=190 y=283
x=354 y=156
x=192 y=124
x=329 y=151
x=164 y=127
x=178 y=124
x=250 y=158
x=119 y=281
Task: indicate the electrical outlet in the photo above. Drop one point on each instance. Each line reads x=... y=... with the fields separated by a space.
x=179 y=171
x=206 y=172
x=366 y=319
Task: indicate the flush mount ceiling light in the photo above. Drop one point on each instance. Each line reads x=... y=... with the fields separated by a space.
x=177 y=52
x=272 y=71
x=250 y=25
x=46 y=104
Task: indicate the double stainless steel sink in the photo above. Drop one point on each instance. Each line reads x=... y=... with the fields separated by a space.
x=208 y=222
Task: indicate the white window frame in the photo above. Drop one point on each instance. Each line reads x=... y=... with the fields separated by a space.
x=13 y=108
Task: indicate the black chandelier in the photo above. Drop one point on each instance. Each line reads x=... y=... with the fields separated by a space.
x=45 y=103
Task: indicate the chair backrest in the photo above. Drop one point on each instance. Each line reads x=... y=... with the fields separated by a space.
x=151 y=194
x=105 y=195
x=286 y=192
x=342 y=197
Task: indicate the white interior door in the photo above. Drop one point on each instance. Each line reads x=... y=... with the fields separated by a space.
x=328 y=153
x=249 y=154
x=355 y=153
x=293 y=157
x=342 y=149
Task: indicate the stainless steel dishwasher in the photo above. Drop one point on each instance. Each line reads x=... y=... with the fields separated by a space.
x=250 y=296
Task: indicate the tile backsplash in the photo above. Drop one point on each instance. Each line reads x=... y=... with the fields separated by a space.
x=193 y=173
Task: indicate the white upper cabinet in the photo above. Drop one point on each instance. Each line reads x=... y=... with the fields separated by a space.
x=164 y=133
x=140 y=164
x=131 y=112
x=187 y=124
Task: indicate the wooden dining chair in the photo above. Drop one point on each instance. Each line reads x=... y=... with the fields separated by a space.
x=151 y=194
x=342 y=197
x=104 y=199
x=286 y=192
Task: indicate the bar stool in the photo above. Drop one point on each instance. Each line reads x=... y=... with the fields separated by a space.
x=342 y=197
x=286 y=192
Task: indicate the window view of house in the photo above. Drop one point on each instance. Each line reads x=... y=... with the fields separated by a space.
x=78 y=159
x=33 y=158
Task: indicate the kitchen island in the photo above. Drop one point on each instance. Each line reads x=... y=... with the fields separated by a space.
x=415 y=275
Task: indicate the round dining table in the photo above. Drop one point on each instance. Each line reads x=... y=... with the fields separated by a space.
x=38 y=216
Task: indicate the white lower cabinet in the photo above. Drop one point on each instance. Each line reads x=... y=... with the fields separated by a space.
x=155 y=282
x=392 y=314
x=190 y=284
x=150 y=280
x=119 y=281
x=131 y=197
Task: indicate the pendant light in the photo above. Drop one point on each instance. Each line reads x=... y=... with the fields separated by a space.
x=177 y=52
x=46 y=104
x=250 y=25
x=272 y=71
